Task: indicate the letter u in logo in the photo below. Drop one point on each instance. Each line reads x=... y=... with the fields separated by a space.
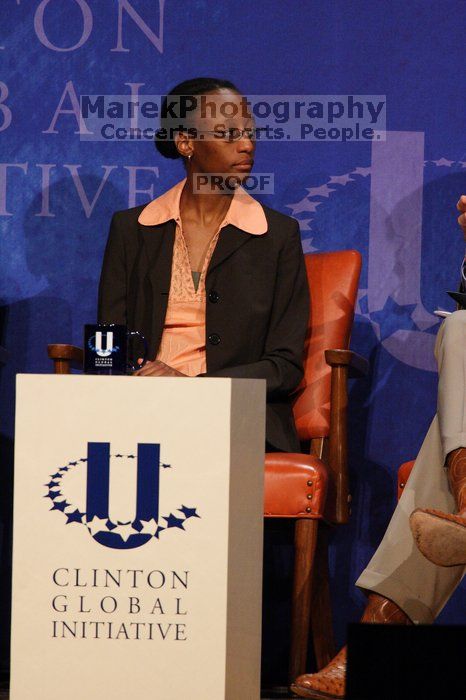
x=100 y=350
x=97 y=496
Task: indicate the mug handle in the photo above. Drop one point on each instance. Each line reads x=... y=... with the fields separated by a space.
x=131 y=365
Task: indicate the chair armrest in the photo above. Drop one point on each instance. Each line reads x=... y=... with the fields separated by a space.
x=63 y=355
x=358 y=366
x=344 y=363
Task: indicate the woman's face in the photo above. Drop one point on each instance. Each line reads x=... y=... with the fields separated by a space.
x=218 y=112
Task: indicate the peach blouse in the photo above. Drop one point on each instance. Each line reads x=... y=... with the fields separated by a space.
x=183 y=344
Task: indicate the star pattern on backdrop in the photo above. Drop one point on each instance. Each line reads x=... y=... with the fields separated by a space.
x=394 y=317
x=443 y=162
x=335 y=183
x=316 y=196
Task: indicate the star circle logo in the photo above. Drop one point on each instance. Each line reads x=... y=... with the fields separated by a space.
x=81 y=492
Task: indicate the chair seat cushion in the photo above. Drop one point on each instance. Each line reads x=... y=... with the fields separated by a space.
x=295 y=486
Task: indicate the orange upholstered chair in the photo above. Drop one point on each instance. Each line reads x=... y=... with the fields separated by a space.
x=312 y=488
x=403 y=475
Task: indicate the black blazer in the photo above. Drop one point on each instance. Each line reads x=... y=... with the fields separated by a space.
x=257 y=304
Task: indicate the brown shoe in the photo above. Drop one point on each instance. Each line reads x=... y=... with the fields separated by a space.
x=441 y=537
x=329 y=683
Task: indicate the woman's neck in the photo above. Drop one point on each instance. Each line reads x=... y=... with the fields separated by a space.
x=206 y=208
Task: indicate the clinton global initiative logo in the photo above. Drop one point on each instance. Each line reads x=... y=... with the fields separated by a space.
x=116 y=496
x=102 y=344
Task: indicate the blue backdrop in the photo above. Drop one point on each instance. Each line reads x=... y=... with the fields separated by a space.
x=395 y=202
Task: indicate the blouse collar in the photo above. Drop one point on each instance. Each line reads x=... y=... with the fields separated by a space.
x=244 y=212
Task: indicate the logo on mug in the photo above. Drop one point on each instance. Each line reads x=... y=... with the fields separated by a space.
x=109 y=349
x=126 y=515
x=97 y=345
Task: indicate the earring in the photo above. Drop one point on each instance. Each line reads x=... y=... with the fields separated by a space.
x=189 y=158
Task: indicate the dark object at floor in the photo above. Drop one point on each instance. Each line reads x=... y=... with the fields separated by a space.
x=391 y=662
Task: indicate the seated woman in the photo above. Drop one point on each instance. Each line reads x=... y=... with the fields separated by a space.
x=215 y=282
x=404 y=586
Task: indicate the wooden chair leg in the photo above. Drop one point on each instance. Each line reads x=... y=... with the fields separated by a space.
x=321 y=615
x=305 y=547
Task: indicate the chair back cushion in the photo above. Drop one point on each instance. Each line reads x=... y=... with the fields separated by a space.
x=333 y=282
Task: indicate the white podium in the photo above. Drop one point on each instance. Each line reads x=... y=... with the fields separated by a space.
x=137 y=538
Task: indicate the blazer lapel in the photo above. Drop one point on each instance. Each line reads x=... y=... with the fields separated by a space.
x=230 y=239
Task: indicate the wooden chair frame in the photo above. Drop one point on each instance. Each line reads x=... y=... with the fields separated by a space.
x=311 y=591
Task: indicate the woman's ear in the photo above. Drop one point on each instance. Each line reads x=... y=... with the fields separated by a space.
x=184 y=145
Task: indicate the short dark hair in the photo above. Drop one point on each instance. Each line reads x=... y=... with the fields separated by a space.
x=195 y=86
